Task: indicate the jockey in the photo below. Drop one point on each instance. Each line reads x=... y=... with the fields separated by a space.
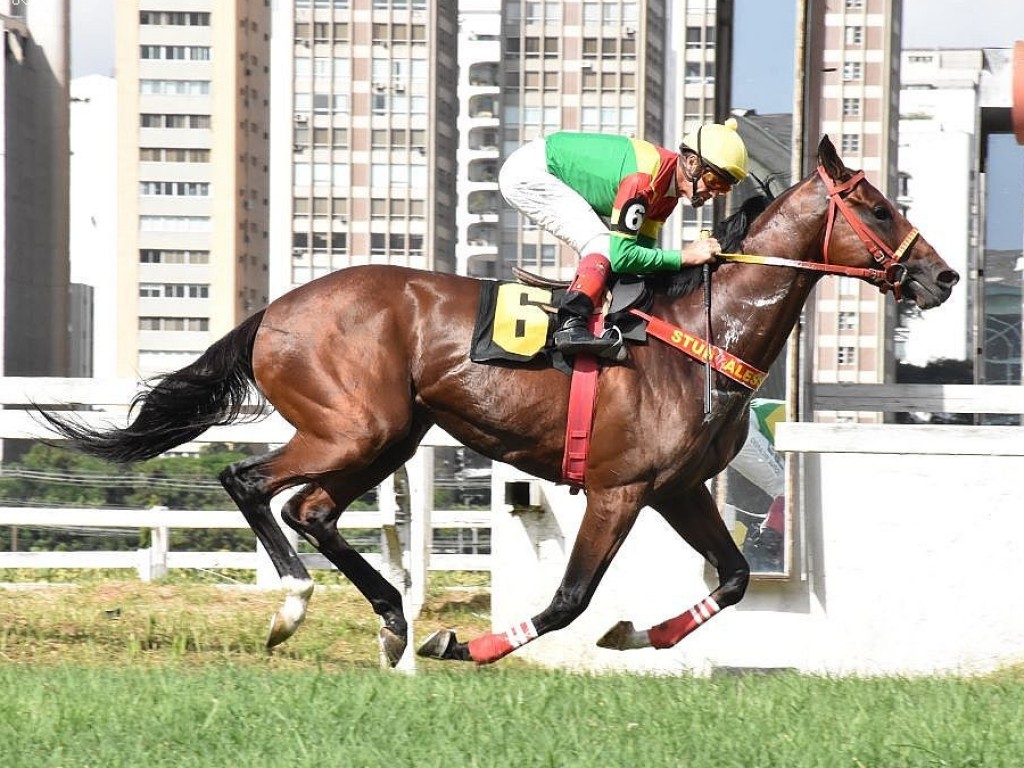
x=567 y=182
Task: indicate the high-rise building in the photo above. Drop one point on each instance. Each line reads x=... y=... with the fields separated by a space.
x=365 y=136
x=480 y=86
x=857 y=89
x=576 y=65
x=34 y=80
x=193 y=189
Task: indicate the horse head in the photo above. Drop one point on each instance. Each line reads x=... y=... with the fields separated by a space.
x=866 y=233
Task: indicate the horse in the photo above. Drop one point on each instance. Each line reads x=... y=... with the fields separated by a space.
x=363 y=361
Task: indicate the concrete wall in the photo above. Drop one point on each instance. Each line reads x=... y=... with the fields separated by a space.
x=904 y=563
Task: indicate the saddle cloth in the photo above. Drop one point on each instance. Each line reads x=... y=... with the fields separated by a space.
x=515 y=322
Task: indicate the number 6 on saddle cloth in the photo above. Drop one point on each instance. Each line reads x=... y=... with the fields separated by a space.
x=515 y=321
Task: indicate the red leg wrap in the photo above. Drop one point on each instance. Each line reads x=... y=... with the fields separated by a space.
x=670 y=632
x=777 y=515
x=490 y=648
x=591 y=276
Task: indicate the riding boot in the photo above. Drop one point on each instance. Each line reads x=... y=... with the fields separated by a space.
x=573 y=336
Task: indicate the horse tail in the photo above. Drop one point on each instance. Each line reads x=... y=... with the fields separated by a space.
x=177 y=407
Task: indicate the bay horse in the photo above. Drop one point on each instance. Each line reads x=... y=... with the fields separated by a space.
x=362 y=362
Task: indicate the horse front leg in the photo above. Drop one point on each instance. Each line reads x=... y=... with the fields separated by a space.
x=608 y=519
x=696 y=518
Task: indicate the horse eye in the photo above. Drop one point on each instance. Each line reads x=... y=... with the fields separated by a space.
x=881 y=212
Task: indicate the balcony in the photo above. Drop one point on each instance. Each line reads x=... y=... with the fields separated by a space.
x=484 y=74
x=483 y=170
x=484 y=202
x=483 y=139
x=482 y=235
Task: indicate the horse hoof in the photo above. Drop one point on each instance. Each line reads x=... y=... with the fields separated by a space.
x=280 y=630
x=392 y=646
x=623 y=637
x=437 y=645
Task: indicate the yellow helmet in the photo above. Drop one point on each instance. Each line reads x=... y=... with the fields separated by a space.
x=720 y=146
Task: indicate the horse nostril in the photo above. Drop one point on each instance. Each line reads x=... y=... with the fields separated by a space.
x=948 y=277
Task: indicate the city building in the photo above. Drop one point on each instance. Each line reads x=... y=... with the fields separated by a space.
x=479 y=91
x=34 y=79
x=953 y=102
x=585 y=65
x=192 y=175
x=365 y=136
x=852 y=95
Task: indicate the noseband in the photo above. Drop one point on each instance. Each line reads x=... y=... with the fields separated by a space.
x=893 y=272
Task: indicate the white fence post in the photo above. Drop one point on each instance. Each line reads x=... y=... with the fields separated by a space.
x=421 y=502
x=159 y=544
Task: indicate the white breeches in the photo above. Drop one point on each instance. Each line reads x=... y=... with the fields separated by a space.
x=551 y=204
x=759 y=463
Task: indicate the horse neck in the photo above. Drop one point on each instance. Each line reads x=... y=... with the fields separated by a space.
x=754 y=307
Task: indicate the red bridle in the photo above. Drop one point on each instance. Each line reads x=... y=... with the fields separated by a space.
x=892 y=272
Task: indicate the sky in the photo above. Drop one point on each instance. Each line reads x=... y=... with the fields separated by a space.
x=764 y=68
x=763 y=77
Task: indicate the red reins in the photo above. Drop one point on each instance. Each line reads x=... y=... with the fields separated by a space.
x=892 y=272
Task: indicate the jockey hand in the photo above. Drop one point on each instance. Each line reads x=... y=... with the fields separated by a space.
x=699 y=252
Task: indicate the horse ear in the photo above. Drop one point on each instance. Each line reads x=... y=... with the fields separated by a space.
x=828 y=158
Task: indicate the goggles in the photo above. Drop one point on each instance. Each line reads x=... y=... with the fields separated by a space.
x=714 y=181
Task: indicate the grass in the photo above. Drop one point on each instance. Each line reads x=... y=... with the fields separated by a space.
x=106 y=621
x=117 y=673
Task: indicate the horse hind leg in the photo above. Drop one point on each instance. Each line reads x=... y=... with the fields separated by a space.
x=314 y=514
x=251 y=484
x=697 y=520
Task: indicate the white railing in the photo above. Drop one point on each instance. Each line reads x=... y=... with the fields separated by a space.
x=156 y=560
x=405 y=546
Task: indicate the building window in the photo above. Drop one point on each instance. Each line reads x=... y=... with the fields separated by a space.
x=852 y=71
x=156 y=120
x=175 y=52
x=174 y=223
x=156 y=256
x=846 y=355
x=851 y=107
x=174 y=19
x=174 y=87
x=174 y=290
x=175 y=188
x=174 y=324
x=847 y=321
x=854 y=5
x=853 y=35
x=850 y=143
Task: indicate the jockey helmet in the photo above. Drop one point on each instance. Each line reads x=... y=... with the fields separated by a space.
x=719 y=146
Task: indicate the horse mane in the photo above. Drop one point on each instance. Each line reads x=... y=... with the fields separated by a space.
x=729 y=233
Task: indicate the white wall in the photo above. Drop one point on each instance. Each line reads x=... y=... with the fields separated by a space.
x=905 y=564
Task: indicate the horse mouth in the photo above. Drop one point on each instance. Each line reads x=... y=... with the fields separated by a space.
x=928 y=294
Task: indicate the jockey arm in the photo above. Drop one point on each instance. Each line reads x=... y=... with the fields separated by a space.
x=636 y=220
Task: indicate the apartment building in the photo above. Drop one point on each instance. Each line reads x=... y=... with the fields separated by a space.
x=591 y=65
x=193 y=187
x=479 y=154
x=34 y=81
x=859 y=100
x=365 y=136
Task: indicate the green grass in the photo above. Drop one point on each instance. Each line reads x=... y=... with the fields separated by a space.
x=118 y=673
x=244 y=716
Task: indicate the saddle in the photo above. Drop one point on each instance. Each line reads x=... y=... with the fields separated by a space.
x=515 y=320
